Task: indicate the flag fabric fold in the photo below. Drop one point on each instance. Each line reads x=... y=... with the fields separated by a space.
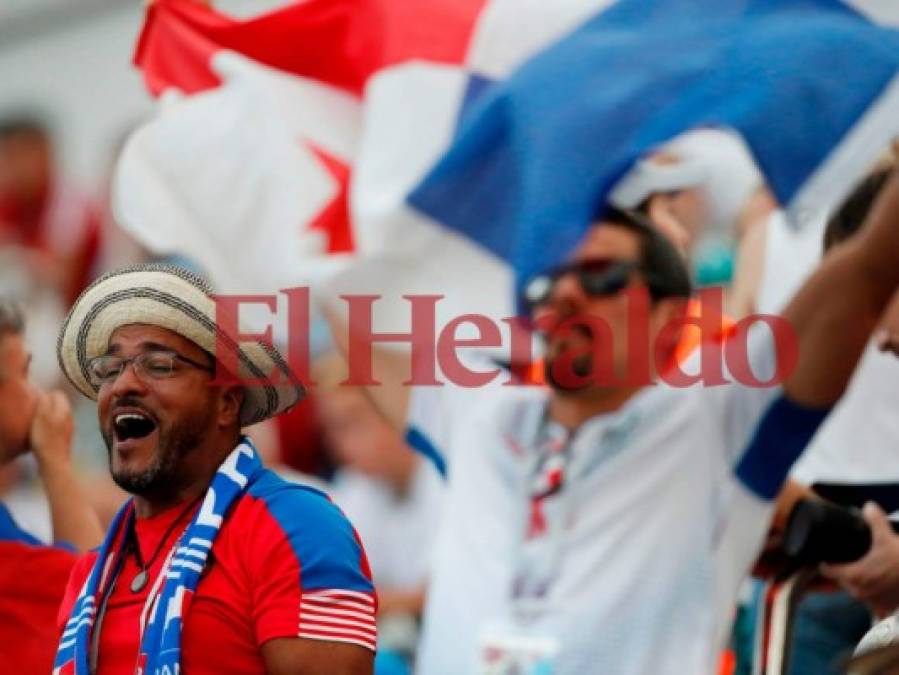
x=809 y=84
x=337 y=42
x=297 y=136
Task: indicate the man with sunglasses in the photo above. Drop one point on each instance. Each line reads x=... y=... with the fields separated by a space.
x=603 y=524
x=215 y=565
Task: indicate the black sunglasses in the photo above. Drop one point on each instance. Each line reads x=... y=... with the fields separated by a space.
x=597 y=276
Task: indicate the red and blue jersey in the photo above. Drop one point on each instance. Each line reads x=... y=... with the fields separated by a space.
x=32 y=581
x=286 y=563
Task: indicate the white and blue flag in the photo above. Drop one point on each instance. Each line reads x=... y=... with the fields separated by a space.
x=810 y=85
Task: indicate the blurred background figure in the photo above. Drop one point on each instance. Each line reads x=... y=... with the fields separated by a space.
x=394 y=499
x=50 y=226
x=33 y=575
x=852 y=455
x=704 y=192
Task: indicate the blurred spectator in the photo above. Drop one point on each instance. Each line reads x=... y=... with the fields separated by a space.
x=54 y=227
x=387 y=491
x=855 y=446
x=543 y=490
x=394 y=500
x=300 y=440
x=33 y=576
x=703 y=191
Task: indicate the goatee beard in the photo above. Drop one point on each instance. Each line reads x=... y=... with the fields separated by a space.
x=163 y=478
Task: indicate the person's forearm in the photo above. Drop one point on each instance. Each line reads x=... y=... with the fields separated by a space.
x=836 y=310
x=74 y=520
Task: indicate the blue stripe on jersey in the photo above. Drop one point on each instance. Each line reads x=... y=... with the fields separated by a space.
x=421 y=444
x=320 y=535
x=10 y=530
x=780 y=437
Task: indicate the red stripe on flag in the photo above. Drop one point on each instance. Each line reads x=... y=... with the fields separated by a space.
x=338 y=42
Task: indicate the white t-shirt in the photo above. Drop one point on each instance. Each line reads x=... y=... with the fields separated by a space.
x=859 y=441
x=652 y=527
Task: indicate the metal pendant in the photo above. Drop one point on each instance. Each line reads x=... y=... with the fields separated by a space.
x=139 y=582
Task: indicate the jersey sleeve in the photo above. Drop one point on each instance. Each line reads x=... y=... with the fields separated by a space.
x=311 y=576
x=763 y=432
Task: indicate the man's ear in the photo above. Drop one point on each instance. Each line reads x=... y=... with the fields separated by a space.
x=230 y=404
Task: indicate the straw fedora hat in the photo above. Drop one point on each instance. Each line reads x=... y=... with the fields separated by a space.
x=172 y=298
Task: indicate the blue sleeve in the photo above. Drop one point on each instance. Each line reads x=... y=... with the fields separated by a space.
x=329 y=552
x=10 y=530
x=781 y=435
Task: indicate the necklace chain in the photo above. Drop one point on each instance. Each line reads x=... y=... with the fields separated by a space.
x=138 y=558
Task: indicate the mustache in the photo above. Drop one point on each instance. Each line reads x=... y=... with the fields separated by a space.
x=131 y=402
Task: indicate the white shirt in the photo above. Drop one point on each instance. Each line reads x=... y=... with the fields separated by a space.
x=857 y=444
x=656 y=529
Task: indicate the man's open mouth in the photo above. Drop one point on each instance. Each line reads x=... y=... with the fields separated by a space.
x=132 y=425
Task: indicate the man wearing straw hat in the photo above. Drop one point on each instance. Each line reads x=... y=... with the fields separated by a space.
x=215 y=565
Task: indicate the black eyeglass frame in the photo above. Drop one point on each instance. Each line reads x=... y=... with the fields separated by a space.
x=140 y=370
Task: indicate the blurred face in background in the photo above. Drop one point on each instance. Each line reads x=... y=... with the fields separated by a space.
x=25 y=167
x=18 y=396
x=362 y=440
x=578 y=349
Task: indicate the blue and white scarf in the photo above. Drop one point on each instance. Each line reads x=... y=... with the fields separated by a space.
x=160 y=649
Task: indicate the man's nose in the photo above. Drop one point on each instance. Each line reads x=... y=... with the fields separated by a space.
x=128 y=381
x=564 y=301
x=567 y=290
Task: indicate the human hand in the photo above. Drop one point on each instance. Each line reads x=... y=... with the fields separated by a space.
x=51 y=429
x=874 y=579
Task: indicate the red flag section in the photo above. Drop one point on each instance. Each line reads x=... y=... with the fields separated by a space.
x=338 y=42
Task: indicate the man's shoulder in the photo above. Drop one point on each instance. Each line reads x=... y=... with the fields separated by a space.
x=271 y=491
x=295 y=510
x=277 y=513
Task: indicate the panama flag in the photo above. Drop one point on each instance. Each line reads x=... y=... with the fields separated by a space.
x=811 y=85
x=288 y=143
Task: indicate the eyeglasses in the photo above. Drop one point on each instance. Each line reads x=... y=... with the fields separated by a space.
x=153 y=365
x=598 y=277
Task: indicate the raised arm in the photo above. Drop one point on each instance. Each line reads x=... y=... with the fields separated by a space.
x=837 y=309
x=74 y=520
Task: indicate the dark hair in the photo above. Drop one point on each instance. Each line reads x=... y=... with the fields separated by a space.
x=11 y=317
x=661 y=264
x=24 y=124
x=852 y=212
